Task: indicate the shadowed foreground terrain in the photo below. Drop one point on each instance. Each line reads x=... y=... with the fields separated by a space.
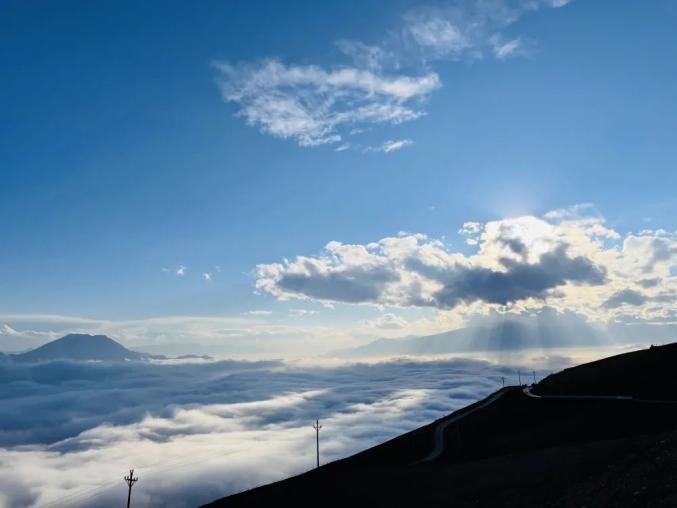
x=520 y=450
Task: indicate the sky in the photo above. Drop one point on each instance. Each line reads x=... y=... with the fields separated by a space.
x=278 y=185
x=290 y=178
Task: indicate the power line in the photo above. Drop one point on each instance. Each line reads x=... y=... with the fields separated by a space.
x=317 y=428
x=130 y=480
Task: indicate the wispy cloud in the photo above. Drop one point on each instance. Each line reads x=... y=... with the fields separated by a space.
x=258 y=312
x=180 y=270
x=506 y=49
x=294 y=313
x=317 y=105
x=313 y=105
x=466 y=29
x=391 y=145
x=387 y=321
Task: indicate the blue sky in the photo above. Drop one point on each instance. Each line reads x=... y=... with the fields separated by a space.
x=123 y=158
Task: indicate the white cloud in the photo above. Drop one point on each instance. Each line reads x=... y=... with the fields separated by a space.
x=5 y=329
x=315 y=105
x=196 y=433
x=572 y=264
x=471 y=231
x=259 y=312
x=576 y=211
x=207 y=276
x=294 y=313
x=437 y=34
x=14 y=340
x=457 y=29
x=364 y=56
x=246 y=336
x=391 y=145
x=179 y=271
x=470 y=228
x=505 y=49
x=387 y=321
x=312 y=105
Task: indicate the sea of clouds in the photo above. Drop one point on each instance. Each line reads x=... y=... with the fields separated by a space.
x=194 y=432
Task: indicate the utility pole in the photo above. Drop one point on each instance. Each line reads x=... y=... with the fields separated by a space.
x=317 y=428
x=534 y=377
x=130 y=480
x=503 y=381
x=519 y=376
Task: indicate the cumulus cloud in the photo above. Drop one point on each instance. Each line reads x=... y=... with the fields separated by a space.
x=195 y=433
x=574 y=264
x=470 y=228
x=625 y=297
x=471 y=231
x=412 y=270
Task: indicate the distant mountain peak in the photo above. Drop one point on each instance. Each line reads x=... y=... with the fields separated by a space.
x=81 y=346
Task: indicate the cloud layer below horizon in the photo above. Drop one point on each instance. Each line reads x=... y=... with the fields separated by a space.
x=194 y=433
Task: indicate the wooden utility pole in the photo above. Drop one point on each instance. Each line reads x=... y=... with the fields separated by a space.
x=519 y=376
x=130 y=480
x=317 y=428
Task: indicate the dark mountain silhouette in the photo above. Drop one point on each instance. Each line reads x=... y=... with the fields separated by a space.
x=81 y=347
x=597 y=435
x=545 y=329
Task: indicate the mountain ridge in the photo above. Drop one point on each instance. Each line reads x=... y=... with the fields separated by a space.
x=81 y=347
x=546 y=329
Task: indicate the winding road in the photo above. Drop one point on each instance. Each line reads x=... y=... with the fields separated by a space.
x=438 y=447
x=528 y=393
x=442 y=426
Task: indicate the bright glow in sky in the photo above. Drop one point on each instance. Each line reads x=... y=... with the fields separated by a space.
x=257 y=180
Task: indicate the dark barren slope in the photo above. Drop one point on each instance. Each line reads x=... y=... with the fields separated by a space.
x=649 y=374
x=521 y=451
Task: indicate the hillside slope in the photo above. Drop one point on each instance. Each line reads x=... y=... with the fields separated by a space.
x=519 y=451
